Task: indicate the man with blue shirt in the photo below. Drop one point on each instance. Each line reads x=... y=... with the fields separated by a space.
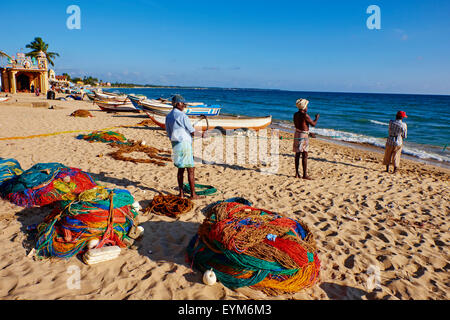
x=180 y=132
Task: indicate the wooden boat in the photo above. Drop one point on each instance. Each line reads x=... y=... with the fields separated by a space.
x=110 y=96
x=116 y=106
x=135 y=98
x=217 y=122
x=3 y=99
x=156 y=106
x=91 y=96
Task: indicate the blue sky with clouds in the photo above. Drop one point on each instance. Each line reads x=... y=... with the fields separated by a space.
x=293 y=45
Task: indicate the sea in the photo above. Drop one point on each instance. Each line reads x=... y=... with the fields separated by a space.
x=347 y=117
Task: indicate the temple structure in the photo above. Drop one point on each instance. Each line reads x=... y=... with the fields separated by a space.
x=25 y=74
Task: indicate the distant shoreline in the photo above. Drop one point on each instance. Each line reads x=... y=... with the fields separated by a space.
x=260 y=89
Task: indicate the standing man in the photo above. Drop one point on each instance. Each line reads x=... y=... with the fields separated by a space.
x=180 y=132
x=302 y=122
x=397 y=132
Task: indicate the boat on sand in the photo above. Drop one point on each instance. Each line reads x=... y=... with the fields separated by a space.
x=113 y=106
x=222 y=122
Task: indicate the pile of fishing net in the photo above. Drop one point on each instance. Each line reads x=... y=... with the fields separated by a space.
x=104 y=136
x=45 y=183
x=155 y=155
x=246 y=246
x=98 y=214
x=81 y=113
x=9 y=168
x=169 y=205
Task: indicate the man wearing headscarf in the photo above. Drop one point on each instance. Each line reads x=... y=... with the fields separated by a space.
x=302 y=121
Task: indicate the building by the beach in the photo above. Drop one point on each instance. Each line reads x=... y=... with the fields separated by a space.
x=25 y=74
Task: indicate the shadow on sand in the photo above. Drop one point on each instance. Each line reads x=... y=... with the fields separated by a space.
x=331 y=161
x=339 y=292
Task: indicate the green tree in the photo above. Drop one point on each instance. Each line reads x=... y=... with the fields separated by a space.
x=38 y=45
x=90 y=80
x=4 y=54
x=68 y=77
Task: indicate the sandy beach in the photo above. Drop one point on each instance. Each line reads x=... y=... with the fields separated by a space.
x=363 y=219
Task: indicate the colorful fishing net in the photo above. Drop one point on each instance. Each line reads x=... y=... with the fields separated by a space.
x=98 y=213
x=246 y=246
x=104 y=136
x=45 y=183
x=9 y=168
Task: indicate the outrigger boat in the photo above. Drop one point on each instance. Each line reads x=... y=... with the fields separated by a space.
x=217 y=122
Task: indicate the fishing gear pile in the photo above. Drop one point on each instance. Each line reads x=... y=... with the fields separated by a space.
x=9 y=168
x=102 y=214
x=246 y=246
x=156 y=156
x=104 y=136
x=81 y=113
x=200 y=189
x=169 y=205
x=45 y=183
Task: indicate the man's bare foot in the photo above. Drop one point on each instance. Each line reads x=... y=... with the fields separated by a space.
x=307 y=178
x=181 y=194
x=298 y=176
x=196 y=196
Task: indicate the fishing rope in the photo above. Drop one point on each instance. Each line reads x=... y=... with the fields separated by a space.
x=205 y=189
x=169 y=205
x=153 y=153
x=45 y=183
x=247 y=246
x=143 y=123
x=98 y=213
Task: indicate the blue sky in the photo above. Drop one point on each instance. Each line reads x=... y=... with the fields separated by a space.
x=293 y=45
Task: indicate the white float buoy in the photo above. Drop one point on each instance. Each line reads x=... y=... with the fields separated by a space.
x=93 y=256
x=92 y=243
x=209 y=277
x=136 y=206
x=67 y=179
x=143 y=143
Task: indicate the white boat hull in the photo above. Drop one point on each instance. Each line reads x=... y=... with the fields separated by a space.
x=103 y=96
x=219 y=122
x=117 y=107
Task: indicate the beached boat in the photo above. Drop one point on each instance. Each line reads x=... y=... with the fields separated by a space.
x=217 y=122
x=3 y=99
x=110 y=96
x=115 y=106
x=91 y=96
x=156 y=106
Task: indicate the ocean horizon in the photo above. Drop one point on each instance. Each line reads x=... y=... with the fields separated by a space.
x=345 y=116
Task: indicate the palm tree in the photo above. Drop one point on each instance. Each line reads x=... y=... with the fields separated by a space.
x=38 y=45
x=3 y=54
